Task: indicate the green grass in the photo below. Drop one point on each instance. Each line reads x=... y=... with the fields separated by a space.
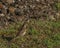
x=58 y=6
x=51 y=30
x=44 y=34
x=32 y=31
x=53 y=41
x=10 y=30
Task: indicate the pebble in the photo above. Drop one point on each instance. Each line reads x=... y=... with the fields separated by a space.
x=2 y=15
x=26 y=8
x=11 y=9
x=17 y=12
x=4 y=1
x=37 y=0
x=1 y=5
x=10 y=1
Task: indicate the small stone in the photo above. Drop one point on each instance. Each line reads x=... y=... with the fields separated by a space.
x=17 y=12
x=10 y=1
x=37 y=0
x=5 y=7
x=52 y=17
x=57 y=15
x=2 y=15
x=3 y=1
x=32 y=6
x=11 y=20
x=11 y=9
x=1 y=5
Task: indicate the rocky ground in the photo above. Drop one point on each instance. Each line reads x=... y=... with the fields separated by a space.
x=29 y=23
